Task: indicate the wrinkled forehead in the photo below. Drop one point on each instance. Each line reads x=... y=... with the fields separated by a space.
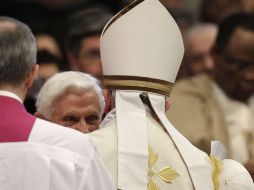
x=72 y=89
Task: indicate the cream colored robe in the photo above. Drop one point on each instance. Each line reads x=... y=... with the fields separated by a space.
x=162 y=154
x=197 y=114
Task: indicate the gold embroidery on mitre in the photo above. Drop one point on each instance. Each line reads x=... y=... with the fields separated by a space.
x=166 y=174
x=217 y=167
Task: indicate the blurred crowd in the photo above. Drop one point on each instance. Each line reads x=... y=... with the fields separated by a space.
x=48 y=19
x=50 y=22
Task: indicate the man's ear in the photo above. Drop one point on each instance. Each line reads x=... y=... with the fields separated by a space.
x=32 y=75
x=167 y=104
x=72 y=61
x=214 y=51
x=39 y=115
x=216 y=56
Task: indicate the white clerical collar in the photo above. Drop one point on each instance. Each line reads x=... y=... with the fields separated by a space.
x=110 y=116
x=10 y=94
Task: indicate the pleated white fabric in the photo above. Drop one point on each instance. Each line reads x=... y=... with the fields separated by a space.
x=30 y=166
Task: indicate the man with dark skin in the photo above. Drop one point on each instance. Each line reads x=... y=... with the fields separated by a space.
x=217 y=106
x=234 y=71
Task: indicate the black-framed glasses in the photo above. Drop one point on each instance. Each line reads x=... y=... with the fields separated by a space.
x=238 y=63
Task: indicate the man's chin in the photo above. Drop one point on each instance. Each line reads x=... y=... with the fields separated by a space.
x=247 y=87
x=243 y=94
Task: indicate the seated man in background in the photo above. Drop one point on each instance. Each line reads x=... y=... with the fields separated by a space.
x=208 y=107
x=198 y=42
x=72 y=99
x=18 y=69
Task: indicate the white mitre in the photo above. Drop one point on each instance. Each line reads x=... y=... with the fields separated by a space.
x=141 y=48
x=141 y=51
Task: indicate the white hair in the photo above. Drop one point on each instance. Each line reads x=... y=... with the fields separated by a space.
x=58 y=84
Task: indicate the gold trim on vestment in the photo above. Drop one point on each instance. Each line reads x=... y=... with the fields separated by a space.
x=217 y=168
x=167 y=174
x=121 y=13
x=137 y=83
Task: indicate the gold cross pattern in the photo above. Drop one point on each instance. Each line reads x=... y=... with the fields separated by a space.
x=167 y=174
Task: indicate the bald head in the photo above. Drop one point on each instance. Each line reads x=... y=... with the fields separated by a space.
x=199 y=40
x=201 y=32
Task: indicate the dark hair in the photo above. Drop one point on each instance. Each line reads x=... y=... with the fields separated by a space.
x=44 y=57
x=17 y=51
x=229 y=25
x=83 y=24
x=216 y=10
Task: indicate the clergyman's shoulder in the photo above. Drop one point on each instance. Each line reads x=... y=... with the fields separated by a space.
x=57 y=135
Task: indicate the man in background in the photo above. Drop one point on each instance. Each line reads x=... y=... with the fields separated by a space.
x=82 y=44
x=212 y=107
x=199 y=40
x=49 y=65
x=82 y=40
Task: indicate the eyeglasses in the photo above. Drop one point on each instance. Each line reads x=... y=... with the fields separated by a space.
x=92 y=54
x=237 y=63
x=198 y=57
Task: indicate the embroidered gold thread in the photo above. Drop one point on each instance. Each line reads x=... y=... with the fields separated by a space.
x=166 y=174
x=152 y=186
x=152 y=157
x=217 y=167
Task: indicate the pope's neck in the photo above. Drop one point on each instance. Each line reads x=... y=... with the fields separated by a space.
x=20 y=91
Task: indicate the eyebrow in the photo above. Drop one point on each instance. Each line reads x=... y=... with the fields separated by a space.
x=70 y=117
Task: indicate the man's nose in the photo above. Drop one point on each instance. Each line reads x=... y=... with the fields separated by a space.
x=249 y=75
x=82 y=126
x=208 y=61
